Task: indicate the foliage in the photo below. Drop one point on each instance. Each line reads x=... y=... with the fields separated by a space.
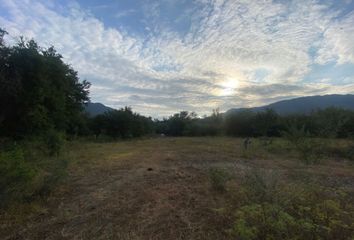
x=310 y=149
x=16 y=175
x=247 y=123
x=296 y=211
x=38 y=91
x=121 y=123
x=324 y=123
x=240 y=124
x=218 y=178
x=54 y=142
x=29 y=168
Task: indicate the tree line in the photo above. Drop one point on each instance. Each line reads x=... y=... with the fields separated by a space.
x=327 y=123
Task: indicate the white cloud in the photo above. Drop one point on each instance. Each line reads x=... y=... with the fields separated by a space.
x=164 y=71
x=124 y=13
x=338 y=44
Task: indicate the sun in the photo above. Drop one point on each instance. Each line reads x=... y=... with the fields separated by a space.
x=229 y=86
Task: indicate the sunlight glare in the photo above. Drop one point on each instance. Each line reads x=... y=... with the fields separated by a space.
x=229 y=85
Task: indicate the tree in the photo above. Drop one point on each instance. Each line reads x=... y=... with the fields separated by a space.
x=266 y=123
x=240 y=124
x=122 y=123
x=38 y=91
x=178 y=123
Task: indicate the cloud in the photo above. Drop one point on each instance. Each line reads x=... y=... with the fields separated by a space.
x=125 y=13
x=338 y=44
x=264 y=46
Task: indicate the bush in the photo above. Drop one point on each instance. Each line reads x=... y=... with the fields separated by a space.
x=268 y=208
x=54 y=142
x=29 y=169
x=261 y=186
x=309 y=149
x=263 y=221
x=16 y=176
x=218 y=178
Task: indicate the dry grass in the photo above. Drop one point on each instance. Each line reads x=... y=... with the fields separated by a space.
x=156 y=189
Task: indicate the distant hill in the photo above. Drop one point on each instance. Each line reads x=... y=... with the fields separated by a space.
x=305 y=105
x=94 y=109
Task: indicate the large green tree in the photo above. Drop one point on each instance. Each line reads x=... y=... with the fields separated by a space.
x=38 y=91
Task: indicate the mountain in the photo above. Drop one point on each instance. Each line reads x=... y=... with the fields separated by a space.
x=305 y=105
x=94 y=109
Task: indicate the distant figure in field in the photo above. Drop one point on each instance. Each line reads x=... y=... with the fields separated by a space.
x=246 y=143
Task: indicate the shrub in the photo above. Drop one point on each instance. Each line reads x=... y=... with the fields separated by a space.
x=263 y=221
x=309 y=149
x=269 y=208
x=54 y=142
x=27 y=171
x=261 y=186
x=218 y=178
x=16 y=176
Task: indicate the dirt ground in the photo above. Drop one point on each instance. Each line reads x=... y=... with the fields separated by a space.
x=148 y=189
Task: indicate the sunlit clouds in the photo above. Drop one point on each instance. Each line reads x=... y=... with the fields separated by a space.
x=164 y=56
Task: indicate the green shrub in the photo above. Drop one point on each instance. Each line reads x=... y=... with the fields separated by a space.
x=27 y=171
x=54 y=142
x=309 y=149
x=269 y=208
x=16 y=176
x=261 y=185
x=218 y=178
x=263 y=221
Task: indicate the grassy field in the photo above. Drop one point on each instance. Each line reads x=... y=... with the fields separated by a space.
x=193 y=188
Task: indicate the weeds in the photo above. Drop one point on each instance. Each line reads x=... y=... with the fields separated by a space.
x=218 y=178
x=272 y=209
x=30 y=168
x=16 y=176
x=309 y=149
x=54 y=142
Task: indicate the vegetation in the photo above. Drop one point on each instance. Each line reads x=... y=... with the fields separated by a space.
x=41 y=99
x=30 y=169
x=121 y=123
x=110 y=190
x=218 y=178
x=327 y=123
x=271 y=209
x=38 y=91
x=266 y=192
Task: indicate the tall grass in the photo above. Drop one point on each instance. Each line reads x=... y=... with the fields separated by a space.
x=271 y=208
x=31 y=168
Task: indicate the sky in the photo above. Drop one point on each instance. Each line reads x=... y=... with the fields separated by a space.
x=163 y=56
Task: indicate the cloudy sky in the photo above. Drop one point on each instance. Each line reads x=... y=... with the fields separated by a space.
x=163 y=56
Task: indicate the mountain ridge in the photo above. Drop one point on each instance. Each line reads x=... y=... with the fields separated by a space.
x=95 y=108
x=304 y=105
x=301 y=105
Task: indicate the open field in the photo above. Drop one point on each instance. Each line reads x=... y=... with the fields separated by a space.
x=166 y=188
